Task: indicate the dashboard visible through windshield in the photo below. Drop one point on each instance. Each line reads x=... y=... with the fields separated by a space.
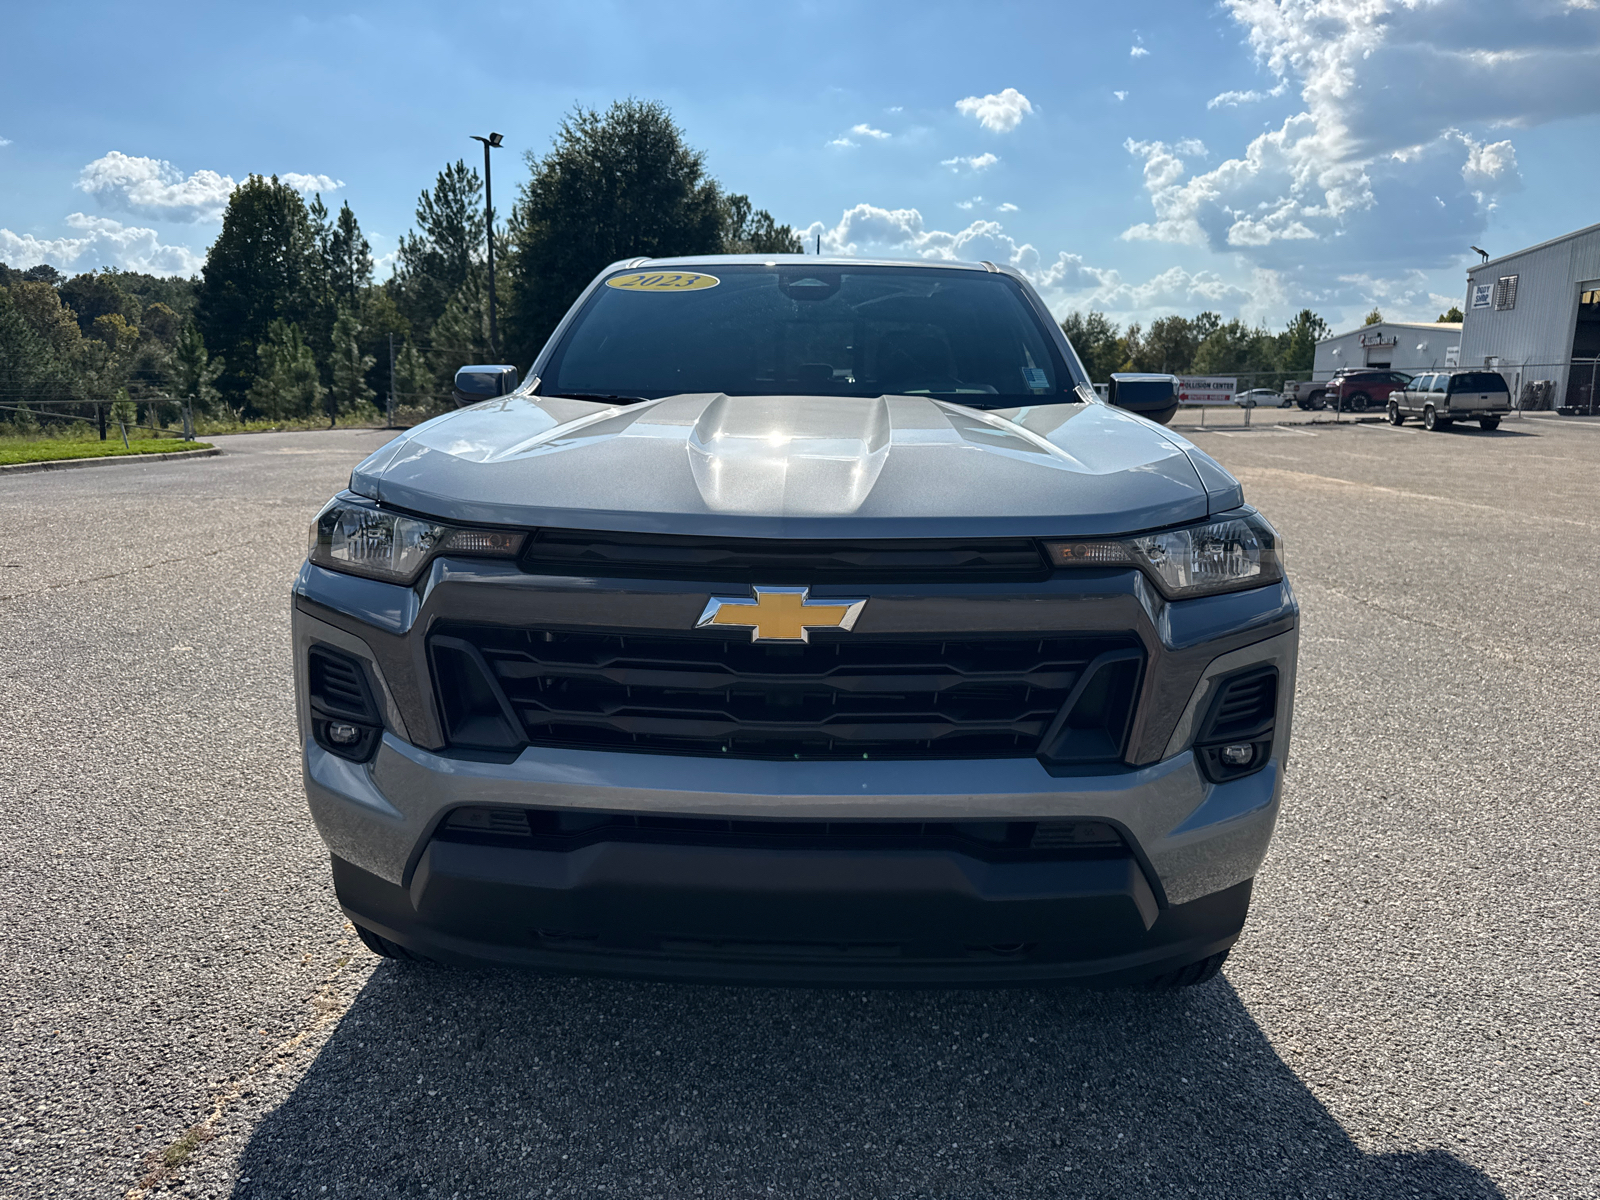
x=761 y=329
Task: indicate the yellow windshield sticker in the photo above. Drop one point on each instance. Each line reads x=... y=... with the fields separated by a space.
x=662 y=281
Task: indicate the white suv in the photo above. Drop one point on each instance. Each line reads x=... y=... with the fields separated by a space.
x=1442 y=398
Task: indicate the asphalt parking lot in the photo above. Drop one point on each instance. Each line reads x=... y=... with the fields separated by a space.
x=1412 y=1011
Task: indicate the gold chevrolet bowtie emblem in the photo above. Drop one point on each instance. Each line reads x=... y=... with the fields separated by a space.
x=781 y=614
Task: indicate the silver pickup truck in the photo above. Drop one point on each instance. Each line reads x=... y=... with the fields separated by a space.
x=797 y=620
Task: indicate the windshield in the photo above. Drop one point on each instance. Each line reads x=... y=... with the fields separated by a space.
x=760 y=330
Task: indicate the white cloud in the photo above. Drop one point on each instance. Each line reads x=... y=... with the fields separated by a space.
x=1387 y=162
x=1120 y=95
x=151 y=187
x=969 y=203
x=896 y=108
x=1002 y=113
x=305 y=184
x=5 y=141
x=1066 y=282
x=1006 y=207
x=977 y=162
x=841 y=141
x=1137 y=51
x=100 y=242
x=866 y=130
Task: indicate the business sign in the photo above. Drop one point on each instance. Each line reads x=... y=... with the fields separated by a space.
x=1482 y=295
x=1207 y=389
x=1380 y=339
x=1452 y=356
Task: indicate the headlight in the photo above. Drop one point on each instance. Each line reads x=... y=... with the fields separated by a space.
x=362 y=540
x=1237 y=552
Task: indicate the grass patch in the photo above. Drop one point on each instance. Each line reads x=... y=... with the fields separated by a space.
x=17 y=450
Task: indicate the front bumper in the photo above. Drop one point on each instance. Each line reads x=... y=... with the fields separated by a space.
x=806 y=916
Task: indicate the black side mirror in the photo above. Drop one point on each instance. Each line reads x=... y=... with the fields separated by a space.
x=1154 y=397
x=484 y=383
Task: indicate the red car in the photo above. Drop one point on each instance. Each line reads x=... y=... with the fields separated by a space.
x=1359 y=390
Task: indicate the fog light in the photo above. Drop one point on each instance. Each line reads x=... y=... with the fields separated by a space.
x=341 y=734
x=1240 y=755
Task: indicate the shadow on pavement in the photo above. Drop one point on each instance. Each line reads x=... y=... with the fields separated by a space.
x=497 y=1084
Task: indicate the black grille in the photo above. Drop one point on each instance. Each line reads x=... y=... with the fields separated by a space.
x=766 y=560
x=1245 y=707
x=572 y=829
x=337 y=687
x=836 y=697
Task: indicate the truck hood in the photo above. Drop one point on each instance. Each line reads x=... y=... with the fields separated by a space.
x=798 y=467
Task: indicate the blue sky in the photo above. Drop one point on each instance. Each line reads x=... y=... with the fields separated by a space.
x=1145 y=157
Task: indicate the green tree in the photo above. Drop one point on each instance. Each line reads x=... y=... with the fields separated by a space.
x=1168 y=346
x=434 y=262
x=195 y=371
x=288 y=383
x=1374 y=318
x=1452 y=315
x=1297 y=348
x=414 y=383
x=1098 y=343
x=349 y=260
x=1234 y=348
x=97 y=294
x=264 y=266
x=614 y=185
x=40 y=305
x=350 y=367
x=161 y=324
x=747 y=231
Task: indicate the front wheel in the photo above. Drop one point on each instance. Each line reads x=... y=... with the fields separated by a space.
x=1487 y=424
x=1395 y=417
x=1359 y=402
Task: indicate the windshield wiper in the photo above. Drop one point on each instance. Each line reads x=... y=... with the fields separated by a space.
x=593 y=396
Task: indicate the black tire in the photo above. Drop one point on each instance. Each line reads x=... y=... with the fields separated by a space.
x=1488 y=424
x=1396 y=417
x=1318 y=401
x=384 y=948
x=1359 y=402
x=1430 y=420
x=1194 y=973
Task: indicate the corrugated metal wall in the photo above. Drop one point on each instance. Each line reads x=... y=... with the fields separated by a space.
x=1538 y=331
x=1416 y=348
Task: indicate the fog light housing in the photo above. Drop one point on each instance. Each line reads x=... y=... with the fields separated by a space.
x=341 y=734
x=1239 y=755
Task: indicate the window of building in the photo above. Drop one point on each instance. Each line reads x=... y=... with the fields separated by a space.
x=1505 y=292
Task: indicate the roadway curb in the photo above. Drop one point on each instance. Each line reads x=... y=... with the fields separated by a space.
x=69 y=464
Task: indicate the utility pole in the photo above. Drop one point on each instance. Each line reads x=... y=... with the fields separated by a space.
x=492 y=142
x=391 y=381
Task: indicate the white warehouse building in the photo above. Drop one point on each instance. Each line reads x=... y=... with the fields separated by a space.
x=1535 y=315
x=1390 y=345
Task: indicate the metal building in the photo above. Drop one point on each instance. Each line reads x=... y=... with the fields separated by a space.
x=1407 y=346
x=1535 y=315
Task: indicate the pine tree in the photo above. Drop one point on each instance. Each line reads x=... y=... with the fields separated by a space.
x=288 y=383
x=195 y=371
x=349 y=260
x=350 y=367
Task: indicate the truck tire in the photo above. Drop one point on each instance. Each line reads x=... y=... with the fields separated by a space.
x=1488 y=424
x=1189 y=976
x=1396 y=417
x=1430 y=420
x=1316 y=402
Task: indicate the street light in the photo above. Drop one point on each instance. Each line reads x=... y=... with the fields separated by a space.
x=492 y=142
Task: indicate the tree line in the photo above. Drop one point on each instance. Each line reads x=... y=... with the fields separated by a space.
x=286 y=321
x=1200 y=345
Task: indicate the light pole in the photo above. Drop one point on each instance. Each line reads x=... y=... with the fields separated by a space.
x=492 y=142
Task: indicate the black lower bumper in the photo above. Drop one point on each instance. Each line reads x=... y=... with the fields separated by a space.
x=819 y=918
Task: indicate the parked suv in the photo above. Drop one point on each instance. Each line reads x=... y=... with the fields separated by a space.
x=797 y=620
x=1442 y=398
x=1359 y=390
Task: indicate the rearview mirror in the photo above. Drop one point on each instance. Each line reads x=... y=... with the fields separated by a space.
x=484 y=383
x=1154 y=397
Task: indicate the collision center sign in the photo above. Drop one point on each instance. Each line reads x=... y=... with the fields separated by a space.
x=1207 y=389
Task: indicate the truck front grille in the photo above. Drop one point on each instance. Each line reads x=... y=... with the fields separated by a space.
x=712 y=694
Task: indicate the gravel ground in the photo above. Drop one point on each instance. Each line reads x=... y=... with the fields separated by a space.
x=1412 y=1011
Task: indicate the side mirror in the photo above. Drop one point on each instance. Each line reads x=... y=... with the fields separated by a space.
x=484 y=383
x=1154 y=397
